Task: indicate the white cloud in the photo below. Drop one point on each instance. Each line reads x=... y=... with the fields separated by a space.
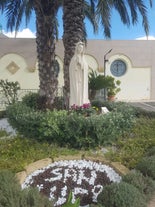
x=25 y=33
x=146 y=38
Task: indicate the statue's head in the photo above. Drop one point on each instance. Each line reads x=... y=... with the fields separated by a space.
x=80 y=48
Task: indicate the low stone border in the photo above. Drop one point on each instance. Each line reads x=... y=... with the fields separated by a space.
x=45 y=162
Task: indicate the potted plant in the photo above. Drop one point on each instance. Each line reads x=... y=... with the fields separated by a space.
x=96 y=82
x=112 y=87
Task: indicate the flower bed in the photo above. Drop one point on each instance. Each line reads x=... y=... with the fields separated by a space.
x=85 y=179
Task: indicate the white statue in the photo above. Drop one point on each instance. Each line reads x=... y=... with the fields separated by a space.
x=78 y=73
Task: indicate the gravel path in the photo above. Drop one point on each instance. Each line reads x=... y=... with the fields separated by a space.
x=148 y=106
x=152 y=202
x=4 y=125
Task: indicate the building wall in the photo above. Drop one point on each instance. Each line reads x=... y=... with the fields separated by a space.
x=135 y=83
x=14 y=68
x=18 y=62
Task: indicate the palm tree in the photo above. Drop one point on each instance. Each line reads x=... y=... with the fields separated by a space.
x=45 y=38
x=73 y=20
x=74 y=12
x=46 y=27
x=73 y=32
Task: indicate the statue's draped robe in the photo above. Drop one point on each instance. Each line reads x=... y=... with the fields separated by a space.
x=78 y=72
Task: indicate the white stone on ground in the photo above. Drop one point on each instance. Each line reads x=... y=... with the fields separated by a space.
x=4 y=125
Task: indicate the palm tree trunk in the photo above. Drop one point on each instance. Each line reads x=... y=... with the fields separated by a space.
x=45 y=39
x=74 y=31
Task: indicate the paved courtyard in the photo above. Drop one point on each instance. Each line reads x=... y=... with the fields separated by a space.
x=149 y=106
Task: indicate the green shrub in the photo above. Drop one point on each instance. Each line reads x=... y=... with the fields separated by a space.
x=34 y=101
x=121 y=195
x=2 y=114
x=11 y=194
x=133 y=146
x=51 y=126
x=65 y=129
x=78 y=131
x=59 y=103
x=144 y=129
x=111 y=126
x=17 y=153
x=32 y=197
x=150 y=151
x=25 y=120
x=144 y=184
x=147 y=166
x=3 y=133
x=114 y=106
x=97 y=103
x=37 y=102
x=9 y=190
x=128 y=151
x=31 y=100
x=10 y=91
x=71 y=129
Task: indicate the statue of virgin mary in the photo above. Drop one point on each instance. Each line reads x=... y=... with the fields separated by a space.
x=78 y=73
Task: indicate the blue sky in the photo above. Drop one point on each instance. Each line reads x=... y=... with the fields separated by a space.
x=118 y=30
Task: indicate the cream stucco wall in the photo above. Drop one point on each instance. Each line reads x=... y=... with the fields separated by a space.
x=92 y=62
x=19 y=71
x=138 y=83
x=135 y=83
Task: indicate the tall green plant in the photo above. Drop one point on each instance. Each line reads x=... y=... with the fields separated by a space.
x=69 y=202
x=98 y=82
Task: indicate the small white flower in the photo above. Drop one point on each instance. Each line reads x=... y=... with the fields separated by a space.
x=60 y=201
x=64 y=191
x=52 y=190
x=40 y=187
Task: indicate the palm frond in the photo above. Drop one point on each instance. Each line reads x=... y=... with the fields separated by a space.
x=2 y=4
x=103 y=12
x=15 y=10
x=133 y=10
x=143 y=11
x=28 y=11
x=12 y=13
x=151 y=3
x=89 y=11
x=121 y=7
